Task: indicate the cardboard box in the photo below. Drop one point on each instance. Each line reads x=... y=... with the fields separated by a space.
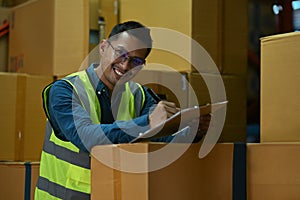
x=93 y=14
x=110 y=11
x=18 y=179
x=22 y=119
x=49 y=37
x=235 y=92
x=209 y=23
x=188 y=177
x=4 y=16
x=280 y=110
x=226 y=42
x=169 y=84
x=163 y=14
x=273 y=171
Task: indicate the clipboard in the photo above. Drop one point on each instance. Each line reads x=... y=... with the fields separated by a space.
x=178 y=121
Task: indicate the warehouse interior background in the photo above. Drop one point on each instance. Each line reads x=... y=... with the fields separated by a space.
x=255 y=45
x=265 y=17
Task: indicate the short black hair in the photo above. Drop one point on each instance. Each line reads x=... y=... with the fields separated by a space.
x=135 y=29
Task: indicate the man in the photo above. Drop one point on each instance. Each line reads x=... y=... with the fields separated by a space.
x=99 y=105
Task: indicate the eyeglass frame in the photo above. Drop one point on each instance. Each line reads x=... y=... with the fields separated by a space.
x=123 y=57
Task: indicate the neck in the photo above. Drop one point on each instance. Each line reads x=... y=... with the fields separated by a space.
x=100 y=73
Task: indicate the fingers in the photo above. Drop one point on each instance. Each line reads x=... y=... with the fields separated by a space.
x=158 y=115
x=162 y=111
x=170 y=107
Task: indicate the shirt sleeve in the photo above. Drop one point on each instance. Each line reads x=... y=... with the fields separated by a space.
x=72 y=122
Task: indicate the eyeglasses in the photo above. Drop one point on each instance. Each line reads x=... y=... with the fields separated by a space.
x=122 y=56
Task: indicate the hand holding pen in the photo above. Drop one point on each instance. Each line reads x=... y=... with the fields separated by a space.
x=162 y=111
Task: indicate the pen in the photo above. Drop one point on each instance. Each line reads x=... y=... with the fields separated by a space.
x=154 y=95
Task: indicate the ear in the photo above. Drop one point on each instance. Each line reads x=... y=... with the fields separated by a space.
x=102 y=46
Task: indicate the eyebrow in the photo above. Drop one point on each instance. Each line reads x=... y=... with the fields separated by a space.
x=121 y=48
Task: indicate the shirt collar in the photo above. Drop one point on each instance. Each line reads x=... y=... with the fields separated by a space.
x=95 y=81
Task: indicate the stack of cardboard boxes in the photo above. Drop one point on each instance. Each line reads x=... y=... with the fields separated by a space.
x=175 y=69
x=266 y=170
x=180 y=30
x=46 y=39
x=49 y=39
x=273 y=165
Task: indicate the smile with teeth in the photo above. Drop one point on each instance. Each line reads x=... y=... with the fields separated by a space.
x=118 y=72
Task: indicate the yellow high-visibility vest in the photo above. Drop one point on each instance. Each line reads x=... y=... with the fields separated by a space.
x=64 y=168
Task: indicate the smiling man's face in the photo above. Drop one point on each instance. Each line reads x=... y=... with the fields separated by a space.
x=118 y=56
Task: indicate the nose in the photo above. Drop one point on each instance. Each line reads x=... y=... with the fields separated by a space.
x=125 y=64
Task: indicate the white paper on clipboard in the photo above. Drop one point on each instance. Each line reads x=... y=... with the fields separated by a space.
x=178 y=121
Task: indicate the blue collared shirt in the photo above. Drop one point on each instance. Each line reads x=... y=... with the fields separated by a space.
x=71 y=121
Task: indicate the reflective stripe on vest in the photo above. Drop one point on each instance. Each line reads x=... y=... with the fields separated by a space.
x=64 y=169
x=64 y=173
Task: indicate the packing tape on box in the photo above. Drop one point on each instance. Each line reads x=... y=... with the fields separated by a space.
x=239 y=172
x=27 y=180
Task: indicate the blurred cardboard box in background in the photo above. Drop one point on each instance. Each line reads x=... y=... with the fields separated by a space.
x=280 y=83
x=208 y=23
x=22 y=119
x=168 y=83
x=180 y=87
x=18 y=179
x=235 y=93
x=48 y=37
